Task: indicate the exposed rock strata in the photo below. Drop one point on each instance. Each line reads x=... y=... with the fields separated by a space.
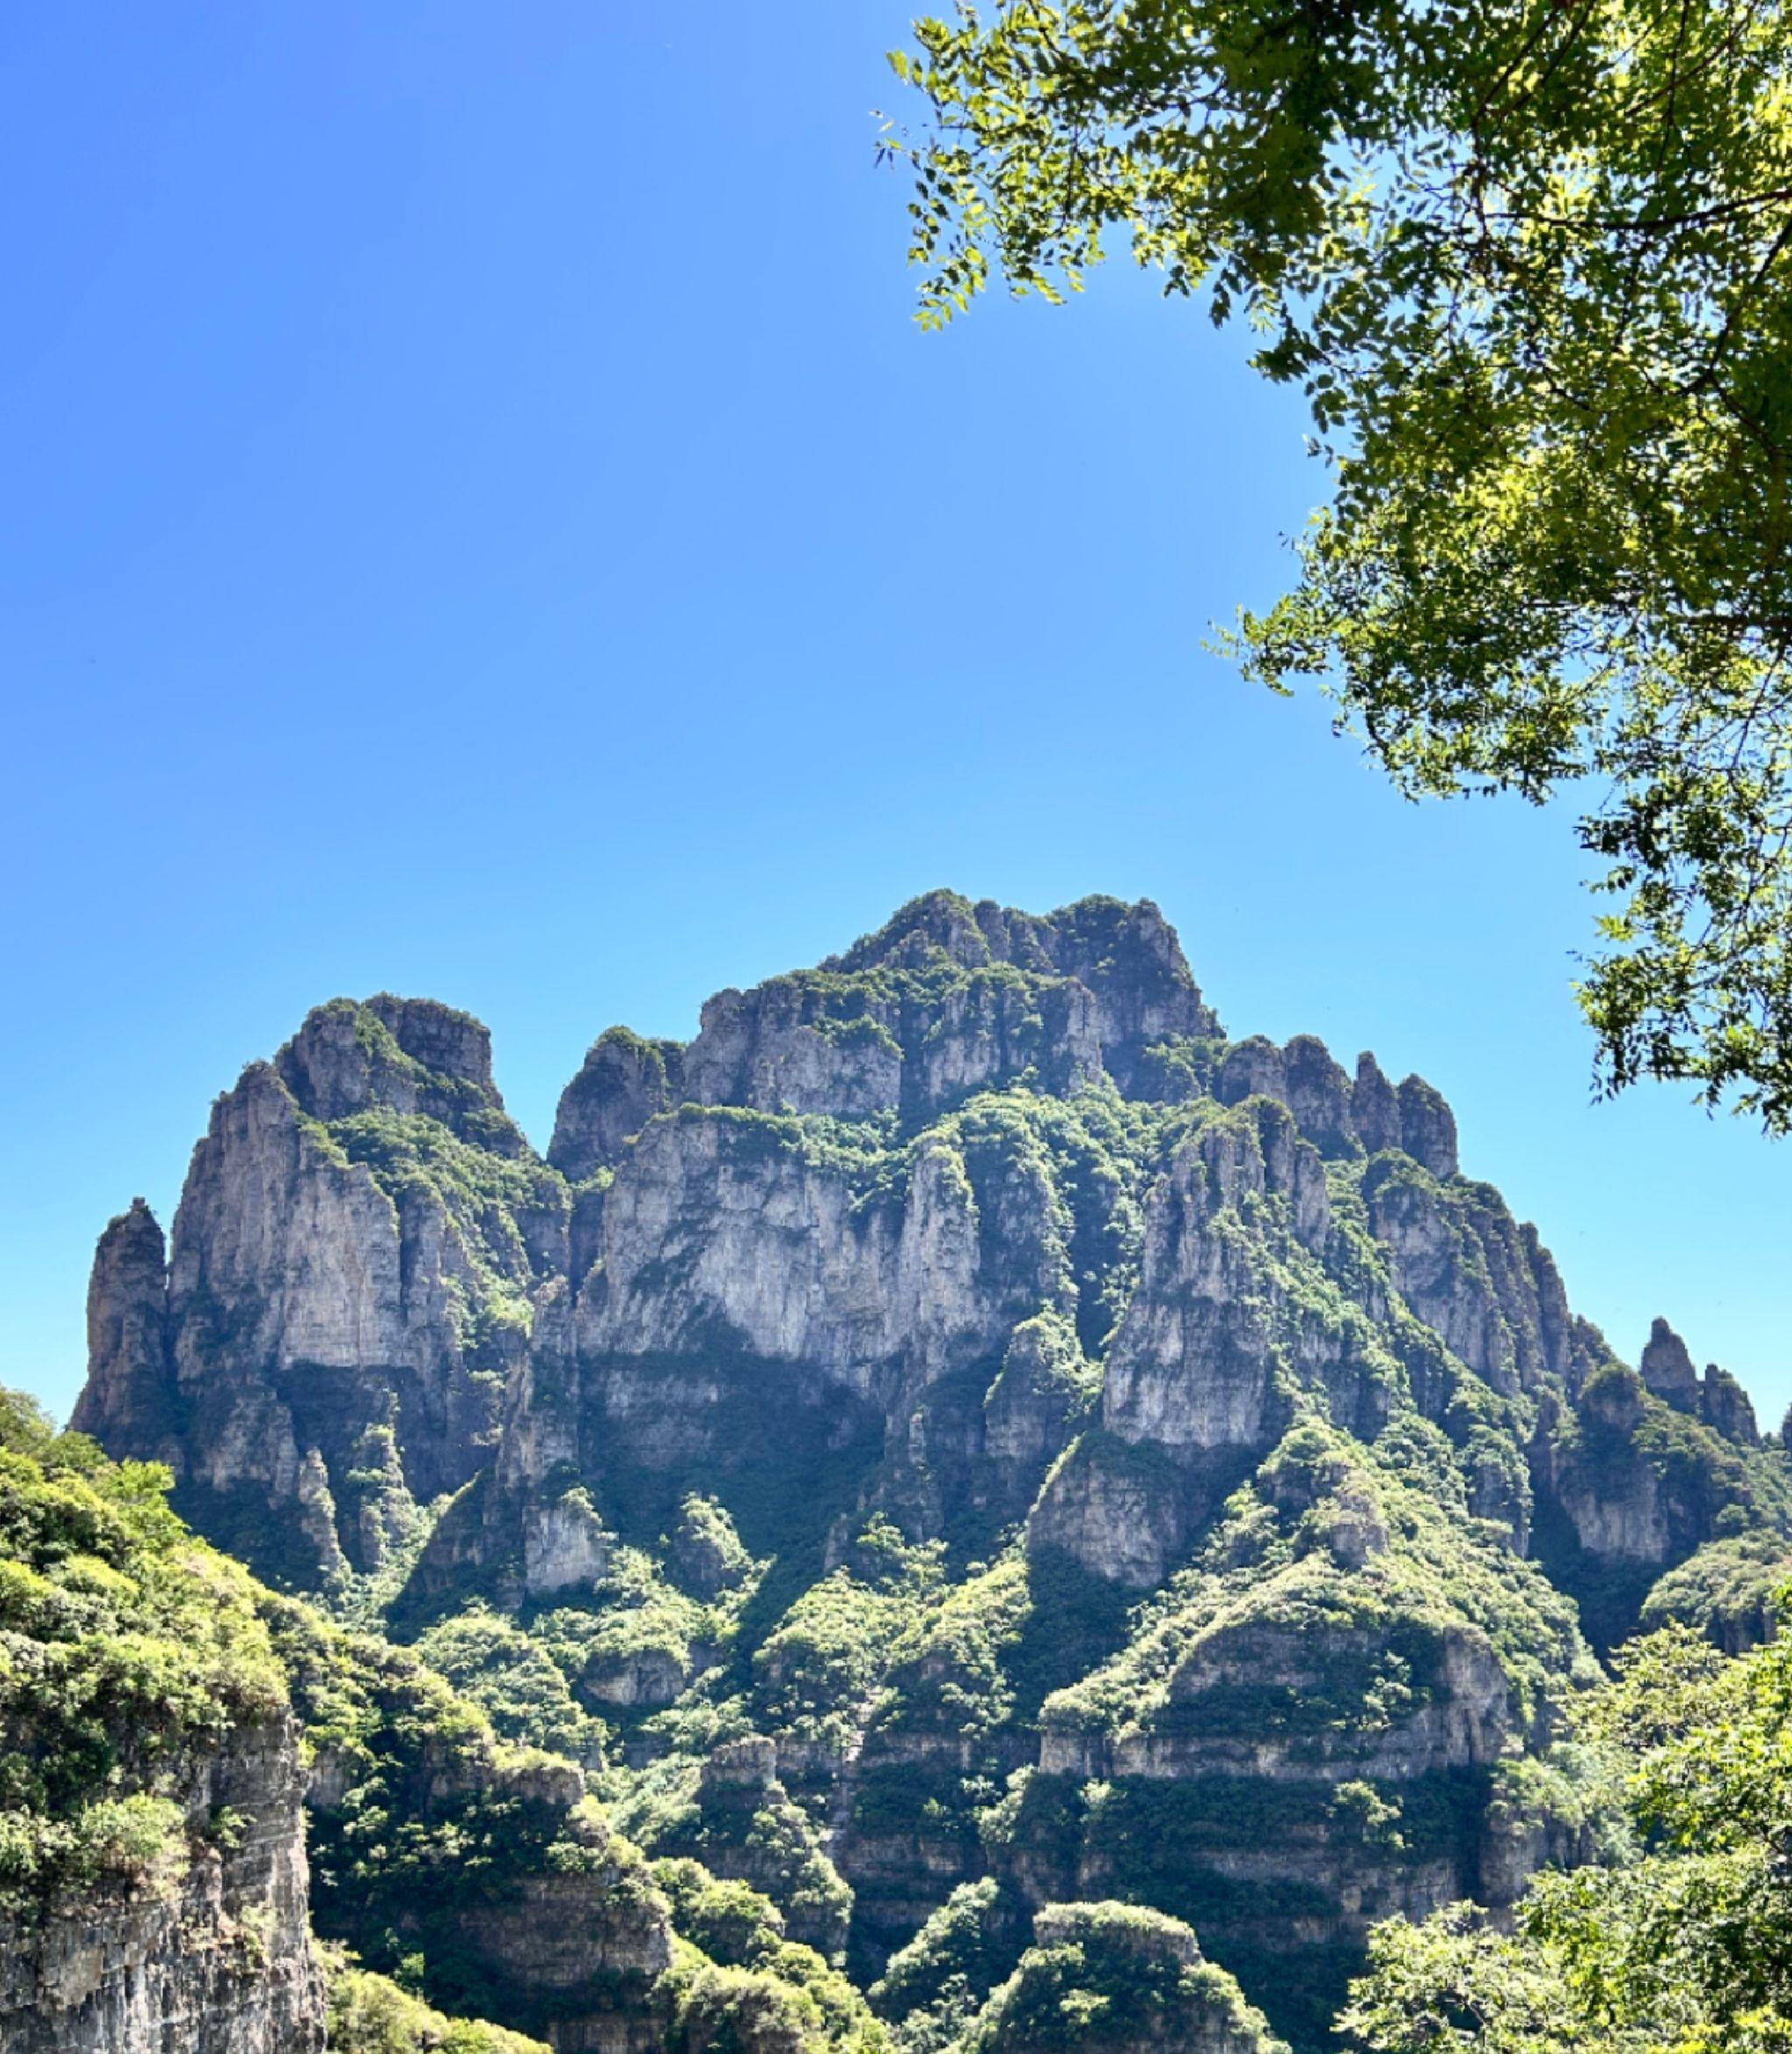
x=216 y=1962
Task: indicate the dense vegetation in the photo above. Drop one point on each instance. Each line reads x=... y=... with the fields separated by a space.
x=1678 y=1939
x=130 y=1651
x=127 y=1648
x=1111 y=1975
x=370 y=2014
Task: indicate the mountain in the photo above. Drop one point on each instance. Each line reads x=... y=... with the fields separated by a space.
x=1039 y=1498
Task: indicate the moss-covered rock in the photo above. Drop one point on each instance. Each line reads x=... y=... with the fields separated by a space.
x=1117 y=1979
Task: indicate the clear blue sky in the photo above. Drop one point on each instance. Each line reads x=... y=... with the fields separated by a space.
x=476 y=518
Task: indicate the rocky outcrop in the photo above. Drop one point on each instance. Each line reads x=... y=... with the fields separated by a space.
x=1337 y=1114
x=354 y=1252
x=1724 y=1408
x=1204 y=1300
x=1716 y=1397
x=1315 y=1720
x=512 y=1886
x=1667 y=1368
x=741 y=1825
x=1629 y=1486
x=215 y=1957
x=128 y=1399
x=565 y=1545
x=1478 y=1280
x=624 y=1082
x=412 y=1056
x=1041 y=1394
x=724 y=1230
x=1135 y=1979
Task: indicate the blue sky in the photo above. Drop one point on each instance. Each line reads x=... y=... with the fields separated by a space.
x=477 y=518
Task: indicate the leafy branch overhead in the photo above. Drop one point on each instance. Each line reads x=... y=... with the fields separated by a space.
x=1528 y=262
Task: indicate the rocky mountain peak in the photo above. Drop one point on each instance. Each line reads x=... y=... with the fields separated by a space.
x=442 y=1039
x=405 y=1055
x=623 y=1081
x=127 y=1331
x=1128 y=955
x=937 y=923
x=958 y=1374
x=946 y=999
x=1667 y=1368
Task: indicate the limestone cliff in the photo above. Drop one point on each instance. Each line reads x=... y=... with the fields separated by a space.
x=217 y=1960
x=347 y=1289
x=959 y=1423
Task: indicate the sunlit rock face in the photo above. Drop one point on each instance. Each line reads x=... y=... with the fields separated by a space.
x=347 y=1288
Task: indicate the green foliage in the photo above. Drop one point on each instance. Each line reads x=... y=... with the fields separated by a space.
x=1115 y=1975
x=1073 y=1621
x=1619 y=1433
x=457 y=1103
x=637 y=1623
x=1730 y=1590
x=369 y=2014
x=1093 y=1153
x=421 y=1818
x=125 y=1645
x=515 y=1680
x=1178 y=1069
x=739 y=1928
x=1044 y=1352
x=706 y=1548
x=1681 y=1941
x=374 y=1502
x=732 y=1923
x=1327 y=1541
x=1527 y=263
x=717 y=2010
x=752 y=1831
x=815 y=1673
x=933 y=1987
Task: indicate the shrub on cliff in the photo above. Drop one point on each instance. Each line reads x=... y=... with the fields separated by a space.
x=1111 y=1977
x=1687 y=1944
x=124 y=1643
x=370 y=2016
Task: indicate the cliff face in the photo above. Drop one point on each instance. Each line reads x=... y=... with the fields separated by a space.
x=1057 y=1449
x=218 y=1962
x=347 y=1288
x=154 y=1883
x=511 y=1889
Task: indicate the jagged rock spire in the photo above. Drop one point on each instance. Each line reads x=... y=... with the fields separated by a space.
x=126 y=1400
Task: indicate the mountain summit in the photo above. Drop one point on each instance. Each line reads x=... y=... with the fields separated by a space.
x=961 y=1436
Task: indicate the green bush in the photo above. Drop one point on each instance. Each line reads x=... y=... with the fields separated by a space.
x=369 y=2015
x=124 y=1644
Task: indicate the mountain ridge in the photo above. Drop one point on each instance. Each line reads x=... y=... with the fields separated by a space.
x=959 y=1421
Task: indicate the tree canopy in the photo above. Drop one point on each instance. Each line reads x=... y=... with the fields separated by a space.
x=1528 y=260
x=1678 y=1943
